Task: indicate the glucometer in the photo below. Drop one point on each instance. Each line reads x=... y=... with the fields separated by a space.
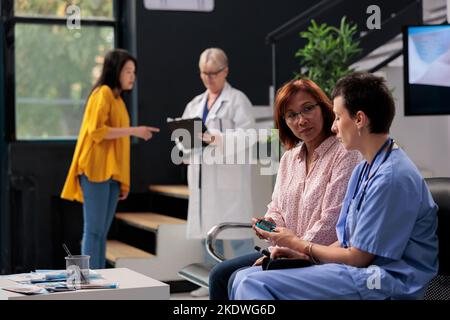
x=266 y=225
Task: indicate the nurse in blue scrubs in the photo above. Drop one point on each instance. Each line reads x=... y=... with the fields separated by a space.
x=387 y=245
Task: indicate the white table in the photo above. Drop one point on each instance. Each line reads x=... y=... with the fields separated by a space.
x=132 y=286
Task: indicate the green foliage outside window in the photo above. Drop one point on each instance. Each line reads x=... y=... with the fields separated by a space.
x=57 y=8
x=55 y=68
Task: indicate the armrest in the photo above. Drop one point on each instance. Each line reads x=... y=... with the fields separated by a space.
x=212 y=236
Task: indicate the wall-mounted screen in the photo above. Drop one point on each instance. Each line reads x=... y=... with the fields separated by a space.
x=427 y=69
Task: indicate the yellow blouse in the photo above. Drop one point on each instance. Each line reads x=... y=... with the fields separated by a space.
x=95 y=157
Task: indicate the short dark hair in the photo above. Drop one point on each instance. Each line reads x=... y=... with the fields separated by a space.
x=112 y=66
x=284 y=98
x=368 y=93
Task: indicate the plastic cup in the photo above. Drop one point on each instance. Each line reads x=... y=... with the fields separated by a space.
x=77 y=268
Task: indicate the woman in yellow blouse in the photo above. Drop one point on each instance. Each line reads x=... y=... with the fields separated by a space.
x=99 y=175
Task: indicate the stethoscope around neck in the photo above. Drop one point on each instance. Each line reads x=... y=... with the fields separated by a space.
x=368 y=167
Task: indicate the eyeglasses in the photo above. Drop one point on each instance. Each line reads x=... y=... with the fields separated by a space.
x=291 y=117
x=212 y=74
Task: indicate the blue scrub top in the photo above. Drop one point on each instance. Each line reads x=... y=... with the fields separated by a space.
x=397 y=223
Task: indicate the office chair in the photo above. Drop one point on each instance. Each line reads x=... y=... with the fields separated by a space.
x=439 y=287
x=198 y=273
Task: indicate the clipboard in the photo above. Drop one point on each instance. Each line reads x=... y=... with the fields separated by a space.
x=189 y=126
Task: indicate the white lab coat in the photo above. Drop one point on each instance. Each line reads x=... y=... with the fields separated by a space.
x=225 y=192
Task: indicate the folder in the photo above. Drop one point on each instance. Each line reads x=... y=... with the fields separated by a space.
x=189 y=137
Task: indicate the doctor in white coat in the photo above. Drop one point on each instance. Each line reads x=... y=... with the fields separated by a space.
x=219 y=192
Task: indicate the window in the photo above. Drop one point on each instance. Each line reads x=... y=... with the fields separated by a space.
x=91 y=9
x=56 y=62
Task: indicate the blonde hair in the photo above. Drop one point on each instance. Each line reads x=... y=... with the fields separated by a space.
x=214 y=55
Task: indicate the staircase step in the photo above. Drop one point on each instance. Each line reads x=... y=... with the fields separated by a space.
x=147 y=220
x=175 y=191
x=116 y=250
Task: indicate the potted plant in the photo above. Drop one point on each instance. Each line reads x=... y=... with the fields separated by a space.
x=326 y=56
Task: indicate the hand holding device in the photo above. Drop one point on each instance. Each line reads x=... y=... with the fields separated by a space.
x=266 y=225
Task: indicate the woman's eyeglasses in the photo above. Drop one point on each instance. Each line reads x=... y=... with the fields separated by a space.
x=291 y=117
x=212 y=74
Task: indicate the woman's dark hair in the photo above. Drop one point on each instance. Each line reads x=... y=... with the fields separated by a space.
x=284 y=98
x=112 y=66
x=368 y=93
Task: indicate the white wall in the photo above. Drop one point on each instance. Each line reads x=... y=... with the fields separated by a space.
x=426 y=139
x=448 y=10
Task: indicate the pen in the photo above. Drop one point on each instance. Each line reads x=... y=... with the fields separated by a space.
x=263 y=251
x=60 y=289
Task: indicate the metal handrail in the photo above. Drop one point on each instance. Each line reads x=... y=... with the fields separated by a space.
x=386 y=61
x=294 y=24
x=214 y=231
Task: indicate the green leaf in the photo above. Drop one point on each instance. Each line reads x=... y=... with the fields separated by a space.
x=328 y=52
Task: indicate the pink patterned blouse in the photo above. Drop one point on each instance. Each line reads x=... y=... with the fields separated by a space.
x=310 y=204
